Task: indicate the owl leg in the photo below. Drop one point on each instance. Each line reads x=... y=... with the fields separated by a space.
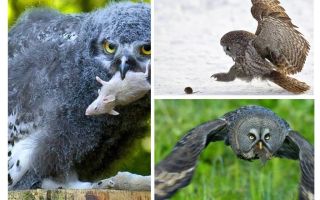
x=226 y=77
x=125 y=181
x=236 y=71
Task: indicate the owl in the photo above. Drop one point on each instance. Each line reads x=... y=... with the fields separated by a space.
x=53 y=61
x=253 y=132
x=276 y=50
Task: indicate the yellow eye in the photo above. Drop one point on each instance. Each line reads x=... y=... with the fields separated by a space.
x=146 y=49
x=108 y=47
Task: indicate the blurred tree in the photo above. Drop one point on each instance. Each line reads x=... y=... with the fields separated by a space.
x=16 y=7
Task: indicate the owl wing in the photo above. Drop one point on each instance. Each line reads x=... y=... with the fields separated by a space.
x=277 y=37
x=176 y=170
x=296 y=147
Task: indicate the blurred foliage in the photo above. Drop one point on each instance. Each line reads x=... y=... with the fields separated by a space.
x=219 y=174
x=16 y=7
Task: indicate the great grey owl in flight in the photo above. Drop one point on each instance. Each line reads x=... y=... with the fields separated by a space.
x=253 y=132
x=53 y=61
x=276 y=50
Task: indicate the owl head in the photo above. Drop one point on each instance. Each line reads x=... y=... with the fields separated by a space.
x=256 y=133
x=123 y=37
x=234 y=43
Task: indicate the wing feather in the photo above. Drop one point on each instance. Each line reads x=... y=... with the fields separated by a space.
x=269 y=8
x=277 y=37
x=296 y=147
x=176 y=170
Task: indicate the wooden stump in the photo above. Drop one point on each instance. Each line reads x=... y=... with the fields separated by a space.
x=78 y=195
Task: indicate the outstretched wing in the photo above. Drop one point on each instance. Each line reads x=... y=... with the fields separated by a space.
x=296 y=147
x=269 y=8
x=277 y=37
x=176 y=170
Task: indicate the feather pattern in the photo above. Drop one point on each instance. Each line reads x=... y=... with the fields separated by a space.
x=176 y=170
x=53 y=61
x=277 y=37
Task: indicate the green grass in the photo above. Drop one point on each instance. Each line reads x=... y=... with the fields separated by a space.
x=219 y=174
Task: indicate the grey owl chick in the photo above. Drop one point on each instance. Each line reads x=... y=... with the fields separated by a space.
x=253 y=132
x=53 y=61
x=275 y=51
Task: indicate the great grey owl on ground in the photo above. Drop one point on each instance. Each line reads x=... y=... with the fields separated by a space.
x=53 y=61
x=275 y=51
x=253 y=132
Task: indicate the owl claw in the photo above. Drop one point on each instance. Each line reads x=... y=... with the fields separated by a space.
x=104 y=184
x=213 y=76
x=222 y=77
x=125 y=181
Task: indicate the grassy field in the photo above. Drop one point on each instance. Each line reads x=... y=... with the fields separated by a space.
x=219 y=174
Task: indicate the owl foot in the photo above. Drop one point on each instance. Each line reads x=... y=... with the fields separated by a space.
x=225 y=77
x=122 y=181
x=19 y=160
x=50 y=184
x=125 y=181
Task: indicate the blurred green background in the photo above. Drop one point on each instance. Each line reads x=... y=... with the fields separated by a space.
x=16 y=7
x=219 y=174
x=141 y=152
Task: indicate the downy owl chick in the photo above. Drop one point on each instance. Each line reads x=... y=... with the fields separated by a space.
x=275 y=51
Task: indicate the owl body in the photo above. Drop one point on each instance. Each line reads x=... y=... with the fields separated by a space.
x=53 y=62
x=276 y=50
x=248 y=62
x=253 y=132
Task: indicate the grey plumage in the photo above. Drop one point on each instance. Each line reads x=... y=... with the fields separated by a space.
x=298 y=148
x=253 y=132
x=53 y=61
x=176 y=170
x=248 y=126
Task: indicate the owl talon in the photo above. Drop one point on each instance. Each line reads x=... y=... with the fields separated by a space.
x=104 y=184
x=222 y=77
x=125 y=181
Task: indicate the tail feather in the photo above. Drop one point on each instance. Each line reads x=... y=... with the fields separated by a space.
x=288 y=83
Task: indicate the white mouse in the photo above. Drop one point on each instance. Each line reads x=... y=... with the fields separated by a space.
x=119 y=92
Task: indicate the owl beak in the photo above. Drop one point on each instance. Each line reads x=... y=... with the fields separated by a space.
x=124 y=67
x=260 y=145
